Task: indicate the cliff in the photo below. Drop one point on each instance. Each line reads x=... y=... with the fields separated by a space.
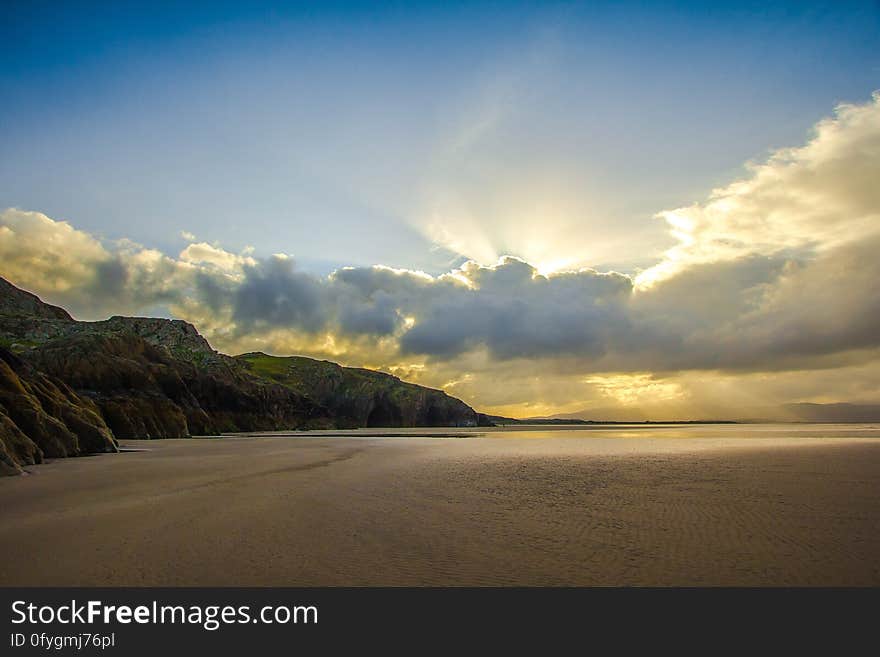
x=41 y=416
x=144 y=390
x=69 y=387
x=356 y=397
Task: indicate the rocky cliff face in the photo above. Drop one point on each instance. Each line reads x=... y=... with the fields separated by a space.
x=358 y=397
x=144 y=390
x=41 y=416
x=70 y=387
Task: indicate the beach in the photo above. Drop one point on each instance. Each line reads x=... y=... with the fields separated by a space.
x=496 y=509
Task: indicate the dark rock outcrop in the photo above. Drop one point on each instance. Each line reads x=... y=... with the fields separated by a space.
x=144 y=391
x=357 y=397
x=41 y=416
x=15 y=301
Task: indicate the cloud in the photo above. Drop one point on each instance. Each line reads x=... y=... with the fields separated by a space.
x=804 y=200
x=775 y=272
x=514 y=312
x=90 y=277
x=202 y=253
x=274 y=294
x=51 y=255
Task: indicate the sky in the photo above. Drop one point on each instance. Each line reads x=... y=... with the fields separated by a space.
x=656 y=208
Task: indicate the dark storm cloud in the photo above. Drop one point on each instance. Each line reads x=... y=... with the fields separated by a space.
x=274 y=294
x=111 y=278
x=515 y=312
x=377 y=316
x=213 y=291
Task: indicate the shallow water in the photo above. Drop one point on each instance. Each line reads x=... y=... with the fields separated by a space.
x=653 y=431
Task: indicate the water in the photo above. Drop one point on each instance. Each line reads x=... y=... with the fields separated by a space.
x=627 y=431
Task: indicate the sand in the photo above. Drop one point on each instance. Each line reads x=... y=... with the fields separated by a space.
x=279 y=511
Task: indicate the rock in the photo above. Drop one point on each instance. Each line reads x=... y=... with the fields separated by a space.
x=42 y=417
x=144 y=391
x=357 y=397
x=14 y=301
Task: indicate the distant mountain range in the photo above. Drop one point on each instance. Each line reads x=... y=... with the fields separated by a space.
x=799 y=412
x=69 y=387
x=833 y=412
x=500 y=420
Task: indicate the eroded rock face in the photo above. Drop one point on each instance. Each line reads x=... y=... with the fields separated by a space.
x=16 y=449
x=144 y=391
x=357 y=397
x=41 y=416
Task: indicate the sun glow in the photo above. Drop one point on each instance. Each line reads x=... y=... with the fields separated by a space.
x=636 y=388
x=543 y=218
x=538 y=244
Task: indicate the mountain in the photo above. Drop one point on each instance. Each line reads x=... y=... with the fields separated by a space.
x=805 y=412
x=357 y=397
x=627 y=414
x=69 y=387
x=799 y=412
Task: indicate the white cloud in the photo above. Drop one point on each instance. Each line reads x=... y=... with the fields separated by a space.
x=202 y=253
x=48 y=255
x=803 y=200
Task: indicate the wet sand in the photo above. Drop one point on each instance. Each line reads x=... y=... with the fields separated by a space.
x=450 y=511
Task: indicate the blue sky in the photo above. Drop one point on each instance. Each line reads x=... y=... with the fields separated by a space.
x=410 y=134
